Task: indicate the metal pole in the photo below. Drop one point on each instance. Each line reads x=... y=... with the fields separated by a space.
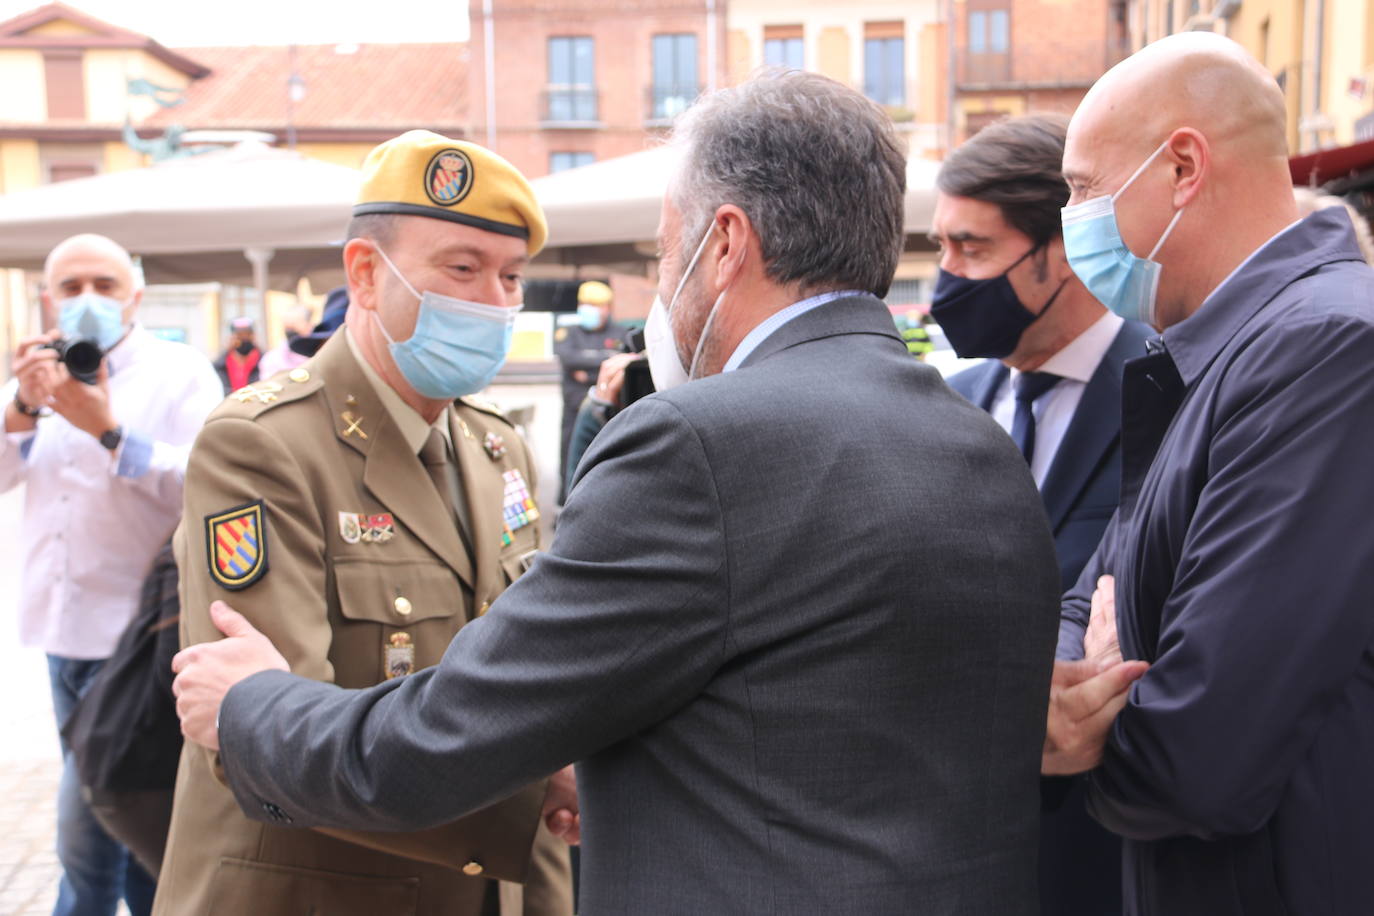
x=489 y=66
x=711 y=45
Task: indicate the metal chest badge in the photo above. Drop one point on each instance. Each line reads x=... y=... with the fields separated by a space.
x=495 y=446
x=355 y=527
x=236 y=546
x=398 y=656
x=517 y=505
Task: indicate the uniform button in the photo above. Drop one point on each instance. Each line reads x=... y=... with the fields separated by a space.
x=486 y=606
x=299 y=375
x=403 y=606
x=473 y=869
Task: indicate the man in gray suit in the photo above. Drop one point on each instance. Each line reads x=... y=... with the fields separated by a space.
x=768 y=716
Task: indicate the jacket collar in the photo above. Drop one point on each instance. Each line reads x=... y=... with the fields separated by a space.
x=393 y=473
x=1322 y=238
x=851 y=315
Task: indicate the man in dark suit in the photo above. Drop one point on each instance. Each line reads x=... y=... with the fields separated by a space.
x=1241 y=561
x=768 y=719
x=1054 y=384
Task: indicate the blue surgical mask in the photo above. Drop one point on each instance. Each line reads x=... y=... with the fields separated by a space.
x=94 y=317
x=457 y=346
x=589 y=317
x=1116 y=277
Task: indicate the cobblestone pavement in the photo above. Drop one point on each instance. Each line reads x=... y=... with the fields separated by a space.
x=29 y=756
x=29 y=759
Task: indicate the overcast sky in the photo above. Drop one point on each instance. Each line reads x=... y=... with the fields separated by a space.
x=184 y=23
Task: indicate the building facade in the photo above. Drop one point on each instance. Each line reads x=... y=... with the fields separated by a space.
x=553 y=85
x=1321 y=52
x=1014 y=57
x=893 y=52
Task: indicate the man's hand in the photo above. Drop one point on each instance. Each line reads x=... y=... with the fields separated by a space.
x=36 y=368
x=1100 y=643
x=206 y=671
x=610 y=378
x=87 y=407
x=1085 y=697
x=561 y=812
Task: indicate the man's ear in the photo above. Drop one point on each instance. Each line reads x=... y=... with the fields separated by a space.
x=360 y=266
x=737 y=233
x=1191 y=158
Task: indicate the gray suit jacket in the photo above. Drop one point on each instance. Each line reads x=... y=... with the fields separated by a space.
x=797 y=627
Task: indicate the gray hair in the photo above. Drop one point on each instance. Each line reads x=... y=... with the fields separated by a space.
x=816 y=167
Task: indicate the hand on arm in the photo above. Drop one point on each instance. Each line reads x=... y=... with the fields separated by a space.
x=1085 y=698
x=206 y=671
x=561 y=811
x=1100 y=642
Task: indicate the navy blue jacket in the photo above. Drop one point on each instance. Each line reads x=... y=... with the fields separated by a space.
x=1081 y=488
x=1240 y=770
x=1080 y=862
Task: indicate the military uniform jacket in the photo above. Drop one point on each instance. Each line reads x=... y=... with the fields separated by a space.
x=347 y=558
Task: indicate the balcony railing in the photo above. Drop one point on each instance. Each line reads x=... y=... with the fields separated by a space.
x=666 y=101
x=570 y=105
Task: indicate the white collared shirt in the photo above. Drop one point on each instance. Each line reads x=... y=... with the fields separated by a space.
x=1054 y=411
x=93 y=523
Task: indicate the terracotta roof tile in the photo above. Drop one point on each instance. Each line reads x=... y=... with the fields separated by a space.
x=394 y=86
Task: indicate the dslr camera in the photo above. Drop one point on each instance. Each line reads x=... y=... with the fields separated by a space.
x=638 y=382
x=81 y=356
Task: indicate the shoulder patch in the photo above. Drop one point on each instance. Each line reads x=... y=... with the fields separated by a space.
x=236 y=545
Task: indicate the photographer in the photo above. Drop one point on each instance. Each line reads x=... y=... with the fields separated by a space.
x=620 y=381
x=102 y=448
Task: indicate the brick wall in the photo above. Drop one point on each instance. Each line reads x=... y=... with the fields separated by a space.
x=622 y=33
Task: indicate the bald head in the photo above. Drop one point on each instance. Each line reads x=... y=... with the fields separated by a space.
x=90 y=263
x=1188 y=138
x=89 y=247
x=1194 y=79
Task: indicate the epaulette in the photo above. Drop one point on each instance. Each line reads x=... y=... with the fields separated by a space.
x=485 y=407
x=261 y=396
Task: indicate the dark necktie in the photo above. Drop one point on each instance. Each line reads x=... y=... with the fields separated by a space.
x=1028 y=388
x=434 y=456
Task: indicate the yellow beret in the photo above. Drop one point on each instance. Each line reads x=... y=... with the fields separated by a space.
x=421 y=173
x=594 y=292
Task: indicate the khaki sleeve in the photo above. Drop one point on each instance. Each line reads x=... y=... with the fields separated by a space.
x=239 y=466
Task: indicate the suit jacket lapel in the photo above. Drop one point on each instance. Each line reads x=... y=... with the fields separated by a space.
x=989 y=384
x=1094 y=430
x=392 y=474
x=483 y=488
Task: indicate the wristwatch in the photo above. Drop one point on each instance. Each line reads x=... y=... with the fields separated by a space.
x=25 y=409
x=111 y=438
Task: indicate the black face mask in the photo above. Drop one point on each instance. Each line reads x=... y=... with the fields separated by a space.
x=983 y=318
x=244 y=347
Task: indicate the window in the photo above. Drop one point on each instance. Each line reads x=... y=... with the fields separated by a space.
x=571 y=93
x=782 y=46
x=675 y=75
x=559 y=162
x=989 y=32
x=64 y=77
x=989 y=43
x=884 y=63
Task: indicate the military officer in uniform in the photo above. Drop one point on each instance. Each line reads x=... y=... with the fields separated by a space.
x=581 y=349
x=370 y=494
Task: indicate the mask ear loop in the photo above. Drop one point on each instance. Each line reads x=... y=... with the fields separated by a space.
x=399 y=276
